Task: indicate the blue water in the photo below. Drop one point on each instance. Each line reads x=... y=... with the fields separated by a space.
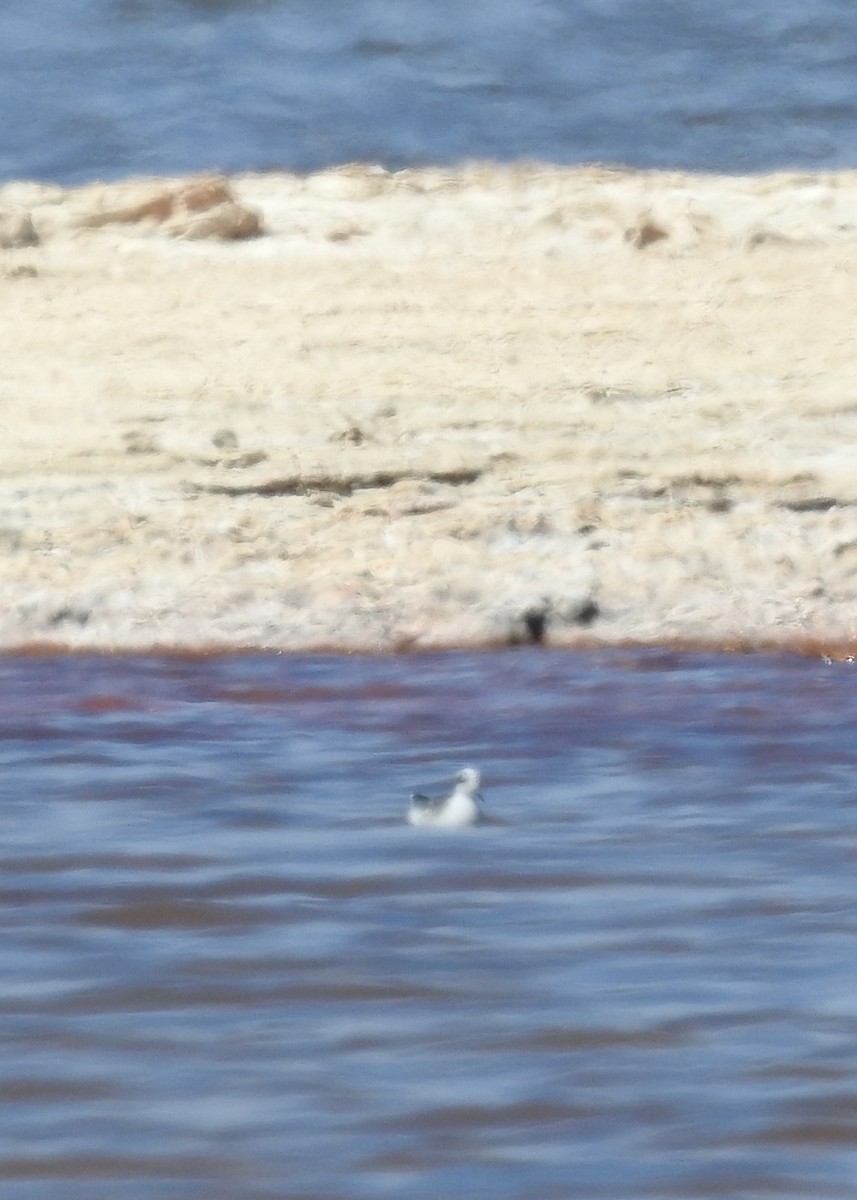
x=107 y=88
x=229 y=968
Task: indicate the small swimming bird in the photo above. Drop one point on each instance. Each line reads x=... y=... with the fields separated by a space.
x=458 y=807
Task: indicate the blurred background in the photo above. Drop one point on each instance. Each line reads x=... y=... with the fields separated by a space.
x=105 y=88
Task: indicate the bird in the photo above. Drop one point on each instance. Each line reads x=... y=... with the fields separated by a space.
x=457 y=808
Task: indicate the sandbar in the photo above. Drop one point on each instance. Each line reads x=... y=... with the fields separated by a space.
x=380 y=411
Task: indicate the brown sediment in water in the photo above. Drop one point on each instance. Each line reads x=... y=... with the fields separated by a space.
x=369 y=412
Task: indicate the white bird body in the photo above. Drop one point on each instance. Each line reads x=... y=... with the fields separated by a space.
x=458 y=808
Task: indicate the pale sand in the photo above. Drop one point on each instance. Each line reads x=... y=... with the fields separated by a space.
x=432 y=408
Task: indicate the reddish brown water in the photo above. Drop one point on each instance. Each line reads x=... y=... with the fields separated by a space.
x=229 y=969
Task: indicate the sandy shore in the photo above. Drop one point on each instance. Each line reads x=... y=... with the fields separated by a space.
x=364 y=410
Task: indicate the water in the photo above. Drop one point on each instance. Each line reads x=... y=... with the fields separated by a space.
x=229 y=968
x=107 y=88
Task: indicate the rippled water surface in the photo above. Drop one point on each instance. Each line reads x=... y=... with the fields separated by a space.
x=229 y=969
x=102 y=88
